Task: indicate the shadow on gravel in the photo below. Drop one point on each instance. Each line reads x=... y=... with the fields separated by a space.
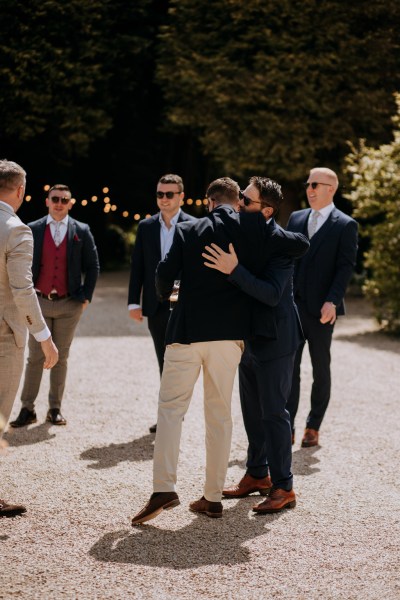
x=303 y=461
x=33 y=435
x=106 y=457
x=203 y=542
x=3 y=538
x=372 y=339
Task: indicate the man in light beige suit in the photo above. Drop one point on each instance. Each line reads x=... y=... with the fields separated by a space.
x=19 y=306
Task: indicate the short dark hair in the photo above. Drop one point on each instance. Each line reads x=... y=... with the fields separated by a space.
x=223 y=190
x=12 y=175
x=59 y=186
x=270 y=192
x=171 y=178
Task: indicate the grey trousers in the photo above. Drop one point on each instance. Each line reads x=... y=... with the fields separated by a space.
x=62 y=317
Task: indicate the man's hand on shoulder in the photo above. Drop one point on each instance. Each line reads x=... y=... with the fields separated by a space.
x=136 y=314
x=50 y=353
x=220 y=260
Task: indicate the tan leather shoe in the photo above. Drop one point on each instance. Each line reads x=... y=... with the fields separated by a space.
x=276 y=501
x=158 y=502
x=11 y=510
x=310 y=438
x=248 y=485
x=211 y=509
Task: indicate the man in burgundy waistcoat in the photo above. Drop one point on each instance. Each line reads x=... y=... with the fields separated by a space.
x=65 y=268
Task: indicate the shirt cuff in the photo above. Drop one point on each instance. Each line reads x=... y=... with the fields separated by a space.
x=133 y=306
x=43 y=335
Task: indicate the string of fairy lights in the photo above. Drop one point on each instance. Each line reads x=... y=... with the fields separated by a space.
x=108 y=206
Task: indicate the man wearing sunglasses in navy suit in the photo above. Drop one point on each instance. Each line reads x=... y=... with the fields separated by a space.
x=65 y=268
x=320 y=281
x=153 y=241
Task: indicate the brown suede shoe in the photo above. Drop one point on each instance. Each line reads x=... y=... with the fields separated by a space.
x=11 y=510
x=310 y=438
x=211 y=509
x=158 y=502
x=248 y=485
x=277 y=501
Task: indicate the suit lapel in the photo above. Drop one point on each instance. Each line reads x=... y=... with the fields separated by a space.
x=38 y=237
x=155 y=228
x=70 y=236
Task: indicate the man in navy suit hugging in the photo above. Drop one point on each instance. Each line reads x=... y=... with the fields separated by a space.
x=265 y=371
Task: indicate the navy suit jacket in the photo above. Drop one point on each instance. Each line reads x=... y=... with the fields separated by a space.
x=145 y=257
x=209 y=307
x=82 y=258
x=276 y=327
x=324 y=273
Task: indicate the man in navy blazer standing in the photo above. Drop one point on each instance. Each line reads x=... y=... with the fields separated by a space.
x=65 y=268
x=266 y=368
x=153 y=241
x=320 y=281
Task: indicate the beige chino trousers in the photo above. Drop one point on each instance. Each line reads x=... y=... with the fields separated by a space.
x=182 y=364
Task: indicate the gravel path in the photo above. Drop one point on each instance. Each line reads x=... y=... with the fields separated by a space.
x=82 y=483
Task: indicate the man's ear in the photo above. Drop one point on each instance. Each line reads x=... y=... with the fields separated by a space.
x=267 y=212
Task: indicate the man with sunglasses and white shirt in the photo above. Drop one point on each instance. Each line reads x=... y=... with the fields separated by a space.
x=153 y=241
x=65 y=268
x=320 y=281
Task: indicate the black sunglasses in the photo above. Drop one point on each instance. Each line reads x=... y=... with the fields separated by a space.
x=168 y=195
x=246 y=200
x=314 y=184
x=57 y=199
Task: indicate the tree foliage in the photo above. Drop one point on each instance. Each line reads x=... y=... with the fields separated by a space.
x=375 y=193
x=277 y=87
x=66 y=66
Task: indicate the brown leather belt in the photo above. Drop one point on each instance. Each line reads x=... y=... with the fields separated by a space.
x=52 y=296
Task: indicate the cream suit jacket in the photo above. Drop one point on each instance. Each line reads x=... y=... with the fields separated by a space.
x=19 y=306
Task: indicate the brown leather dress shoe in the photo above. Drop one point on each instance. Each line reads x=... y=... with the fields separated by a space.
x=276 y=501
x=158 y=502
x=11 y=510
x=310 y=438
x=55 y=417
x=206 y=507
x=25 y=417
x=248 y=485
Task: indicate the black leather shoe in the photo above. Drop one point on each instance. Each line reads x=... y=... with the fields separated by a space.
x=158 y=502
x=153 y=428
x=25 y=417
x=55 y=417
x=11 y=510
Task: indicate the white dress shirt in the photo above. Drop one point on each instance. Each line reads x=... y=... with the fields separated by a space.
x=323 y=215
x=63 y=226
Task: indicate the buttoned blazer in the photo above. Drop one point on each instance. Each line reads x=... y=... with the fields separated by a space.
x=209 y=307
x=82 y=258
x=145 y=257
x=276 y=326
x=324 y=273
x=19 y=306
